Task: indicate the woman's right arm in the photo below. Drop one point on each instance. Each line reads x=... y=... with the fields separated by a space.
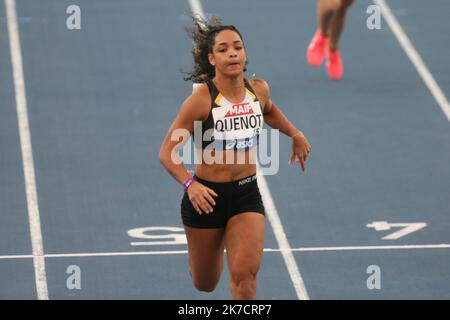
x=194 y=108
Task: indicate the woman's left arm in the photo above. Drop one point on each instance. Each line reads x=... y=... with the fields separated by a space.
x=276 y=119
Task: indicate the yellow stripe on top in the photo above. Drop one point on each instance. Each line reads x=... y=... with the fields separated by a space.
x=250 y=93
x=218 y=98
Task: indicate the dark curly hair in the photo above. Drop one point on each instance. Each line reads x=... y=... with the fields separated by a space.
x=203 y=35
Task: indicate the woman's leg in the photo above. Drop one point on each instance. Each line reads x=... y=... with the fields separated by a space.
x=244 y=241
x=205 y=247
x=337 y=24
x=326 y=9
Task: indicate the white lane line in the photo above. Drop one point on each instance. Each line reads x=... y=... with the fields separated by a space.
x=18 y=256
x=280 y=235
x=112 y=254
x=367 y=248
x=172 y=252
x=415 y=58
x=271 y=210
x=196 y=8
x=27 y=154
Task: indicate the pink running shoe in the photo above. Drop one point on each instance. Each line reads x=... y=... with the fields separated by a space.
x=335 y=67
x=317 y=48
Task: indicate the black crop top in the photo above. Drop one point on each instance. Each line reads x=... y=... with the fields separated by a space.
x=231 y=126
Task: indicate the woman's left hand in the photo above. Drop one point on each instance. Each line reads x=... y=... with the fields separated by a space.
x=300 y=149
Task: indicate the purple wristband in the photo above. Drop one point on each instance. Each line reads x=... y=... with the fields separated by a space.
x=188 y=183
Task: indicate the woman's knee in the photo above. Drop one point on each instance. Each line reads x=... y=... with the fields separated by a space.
x=243 y=275
x=205 y=286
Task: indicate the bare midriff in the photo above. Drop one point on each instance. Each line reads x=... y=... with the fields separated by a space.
x=226 y=166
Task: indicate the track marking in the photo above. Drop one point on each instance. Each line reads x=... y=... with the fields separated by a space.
x=280 y=235
x=174 y=252
x=271 y=210
x=12 y=257
x=415 y=58
x=196 y=8
x=406 y=228
x=360 y=248
x=27 y=153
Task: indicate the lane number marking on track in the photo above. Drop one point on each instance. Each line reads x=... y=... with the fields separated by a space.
x=175 y=236
x=406 y=228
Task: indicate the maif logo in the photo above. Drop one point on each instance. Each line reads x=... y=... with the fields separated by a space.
x=239 y=110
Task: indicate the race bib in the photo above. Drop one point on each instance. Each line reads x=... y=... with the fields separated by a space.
x=237 y=121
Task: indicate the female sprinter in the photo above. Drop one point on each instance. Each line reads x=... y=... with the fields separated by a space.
x=222 y=206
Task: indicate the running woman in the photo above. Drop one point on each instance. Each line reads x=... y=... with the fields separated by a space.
x=222 y=206
x=325 y=43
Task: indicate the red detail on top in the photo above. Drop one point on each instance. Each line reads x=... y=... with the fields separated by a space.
x=239 y=110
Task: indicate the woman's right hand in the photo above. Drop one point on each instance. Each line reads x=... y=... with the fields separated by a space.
x=201 y=197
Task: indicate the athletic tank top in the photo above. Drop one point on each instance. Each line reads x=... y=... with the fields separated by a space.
x=232 y=126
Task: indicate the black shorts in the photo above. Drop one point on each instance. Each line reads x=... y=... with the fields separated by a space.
x=233 y=198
